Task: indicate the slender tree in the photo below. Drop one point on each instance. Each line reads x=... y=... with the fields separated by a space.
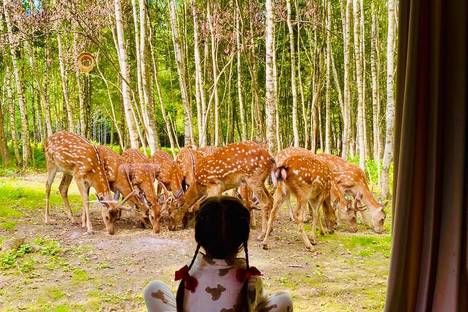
x=19 y=88
x=122 y=53
x=181 y=73
x=389 y=118
x=270 y=99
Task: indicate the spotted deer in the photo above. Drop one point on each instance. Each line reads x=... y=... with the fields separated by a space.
x=129 y=180
x=170 y=175
x=145 y=174
x=77 y=158
x=346 y=213
x=187 y=159
x=309 y=180
x=228 y=167
x=352 y=180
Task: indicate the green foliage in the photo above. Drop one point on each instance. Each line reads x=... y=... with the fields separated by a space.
x=9 y=258
x=47 y=247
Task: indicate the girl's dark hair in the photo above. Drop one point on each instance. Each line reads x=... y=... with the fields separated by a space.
x=222 y=227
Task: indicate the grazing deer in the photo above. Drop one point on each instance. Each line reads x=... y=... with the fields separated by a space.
x=142 y=179
x=308 y=179
x=129 y=180
x=79 y=159
x=346 y=214
x=228 y=167
x=170 y=175
x=352 y=180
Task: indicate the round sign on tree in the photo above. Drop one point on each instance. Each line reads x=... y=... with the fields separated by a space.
x=86 y=62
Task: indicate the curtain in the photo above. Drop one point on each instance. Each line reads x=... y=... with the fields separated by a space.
x=429 y=264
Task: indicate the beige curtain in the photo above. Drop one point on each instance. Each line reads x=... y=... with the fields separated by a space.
x=429 y=264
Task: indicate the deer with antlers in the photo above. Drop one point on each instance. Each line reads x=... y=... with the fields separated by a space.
x=228 y=167
x=77 y=158
x=352 y=180
x=144 y=184
x=301 y=174
x=170 y=176
x=134 y=181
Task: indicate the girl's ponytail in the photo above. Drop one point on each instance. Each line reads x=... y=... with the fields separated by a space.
x=181 y=289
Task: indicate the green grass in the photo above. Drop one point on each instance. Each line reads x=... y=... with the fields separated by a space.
x=80 y=275
x=19 y=196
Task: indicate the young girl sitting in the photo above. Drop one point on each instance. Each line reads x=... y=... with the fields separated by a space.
x=216 y=280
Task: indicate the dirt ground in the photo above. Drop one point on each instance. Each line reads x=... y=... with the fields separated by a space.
x=64 y=269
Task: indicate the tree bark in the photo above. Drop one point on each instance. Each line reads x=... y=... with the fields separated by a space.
x=375 y=87
x=214 y=62
x=160 y=97
x=3 y=141
x=199 y=90
x=270 y=99
x=327 y=83
x=81 y=100
x=360 y=82
x=389 y=119
x=179 y=58
x=122 y=53
x=346 y=16
x=243 y=132
x=147 y=106
x=292 y=51
x=12 y=116
x=19 y=89
x=64 y=82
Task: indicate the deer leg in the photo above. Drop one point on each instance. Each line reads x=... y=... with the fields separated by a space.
x=330 y=217
x=64 y=184
x=291 y=213
x=300 y=225
x=278 y=199
x=315 y=216
x=265 y=204
x=85 y=218
x=51 y=172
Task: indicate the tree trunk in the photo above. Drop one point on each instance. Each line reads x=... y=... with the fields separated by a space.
x=45 y=94
x=81 y=100
x=158 y=90
x=147 y=105
x=347 y=73
x=19 y=90
x=131 y=123
x=12 y=116
x=181 y=73
x=292 y=51
x=243 y=132
x=64 y=81
x=375 y=87
x=389 y=119
x=327 y=83
x=270 y=100
x=3 y=141
x=360 y=82
x=199 y=91
x=214 y=60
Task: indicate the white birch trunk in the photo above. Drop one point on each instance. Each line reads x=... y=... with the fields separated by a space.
x=64 y=81
x=389 y=119
x=129 y=118
x=19 y=90
x=181 y=73
x=270 y=100
x=292 y=51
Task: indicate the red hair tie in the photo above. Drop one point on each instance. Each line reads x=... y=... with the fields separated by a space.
x=244 y=274
x=190 y=282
